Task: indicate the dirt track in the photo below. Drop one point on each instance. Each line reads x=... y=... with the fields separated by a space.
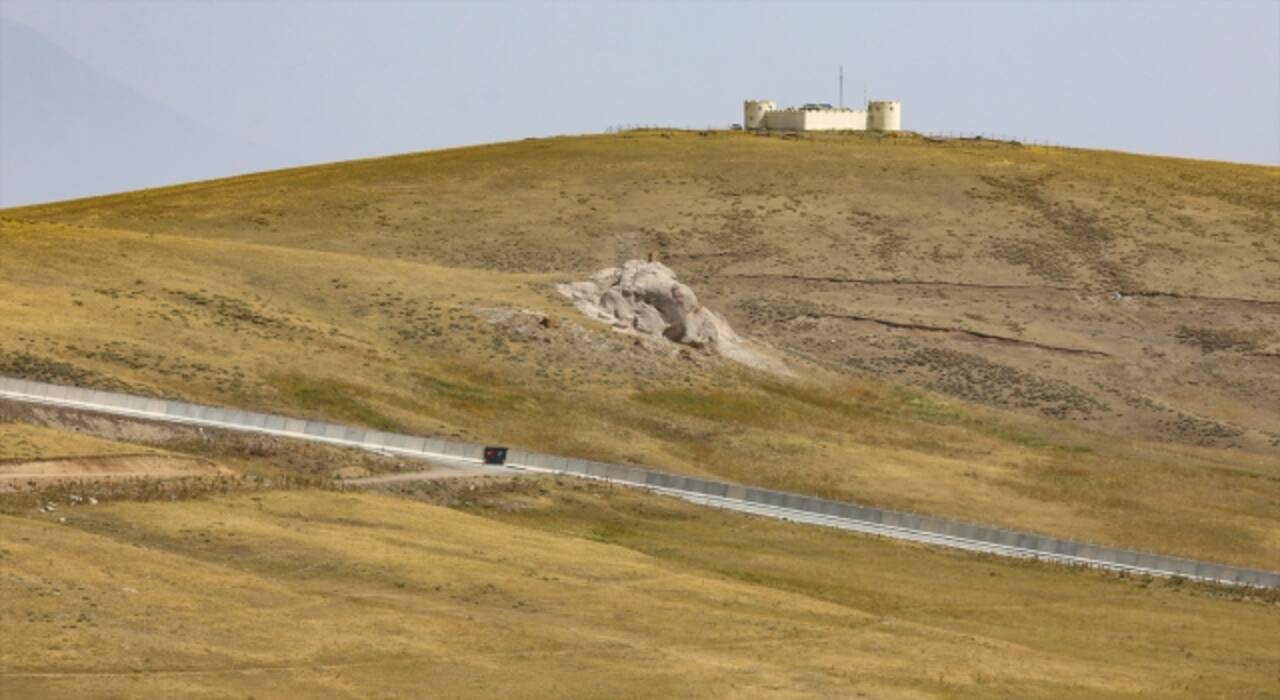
x=18 y=474
x=437 y=471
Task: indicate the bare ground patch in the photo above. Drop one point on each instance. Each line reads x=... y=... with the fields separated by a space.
x=16 y=475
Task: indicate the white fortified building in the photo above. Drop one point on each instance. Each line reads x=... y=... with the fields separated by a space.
x=764 y=115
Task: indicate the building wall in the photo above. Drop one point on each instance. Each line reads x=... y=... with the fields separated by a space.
x=884 y=116
x=835 y=120
x=754 y=113
x=785 y=120
x=880 y=115
x=815 y=120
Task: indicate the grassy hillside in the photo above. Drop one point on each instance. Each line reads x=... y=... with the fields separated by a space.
x=1080 y=343
x=21 y=441
x=541 y=589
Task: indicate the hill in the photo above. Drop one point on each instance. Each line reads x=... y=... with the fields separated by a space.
x=1079 y=343
x=1123 y=277
x=1075 y=342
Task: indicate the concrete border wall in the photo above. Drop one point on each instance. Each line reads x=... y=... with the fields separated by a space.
x=777 y=504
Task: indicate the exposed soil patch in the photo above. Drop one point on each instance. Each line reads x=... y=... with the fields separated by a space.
x=964 y=333
x=16 y=475
x=903 y=282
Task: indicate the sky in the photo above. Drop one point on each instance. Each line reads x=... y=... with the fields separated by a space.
x=99 y=97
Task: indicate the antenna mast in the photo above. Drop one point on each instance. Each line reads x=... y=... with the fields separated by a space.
x=841 y=86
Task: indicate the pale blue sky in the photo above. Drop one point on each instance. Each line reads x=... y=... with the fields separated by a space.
x=106 y=96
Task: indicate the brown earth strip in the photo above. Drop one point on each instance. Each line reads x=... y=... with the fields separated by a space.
x=893 y=281
x=16 y=475
x=956 y=331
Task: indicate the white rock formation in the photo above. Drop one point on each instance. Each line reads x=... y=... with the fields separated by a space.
x=645 y=298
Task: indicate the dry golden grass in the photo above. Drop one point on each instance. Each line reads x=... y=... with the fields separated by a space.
x=406 y=293
x=1078 y=343
x=19 y=441
x=734 y=203
x=568 y=590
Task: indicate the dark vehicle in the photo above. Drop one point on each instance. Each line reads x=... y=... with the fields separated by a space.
x=496 y=456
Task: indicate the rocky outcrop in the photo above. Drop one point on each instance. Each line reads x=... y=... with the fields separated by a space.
x=646 y=298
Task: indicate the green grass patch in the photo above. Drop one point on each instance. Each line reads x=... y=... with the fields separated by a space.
x=468 y=397
x=1030 y=439
x=719 y=406
x=921 y=406
x=777 y=404
x=609 y=532
x=857 y=405
x=334 y=400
